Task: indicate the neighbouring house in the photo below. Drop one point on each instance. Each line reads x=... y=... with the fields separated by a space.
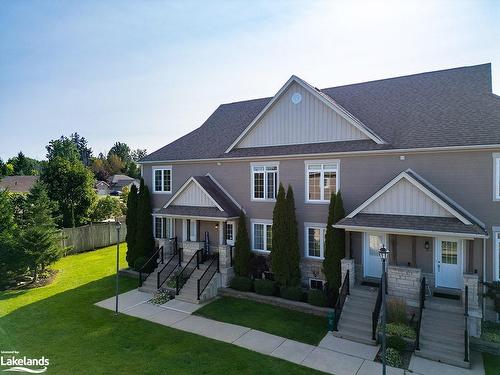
x=18 y=184
x=102 y=188
x=117 y=182
x=417 y=159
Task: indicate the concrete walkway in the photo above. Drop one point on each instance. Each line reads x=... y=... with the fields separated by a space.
x=333 y=355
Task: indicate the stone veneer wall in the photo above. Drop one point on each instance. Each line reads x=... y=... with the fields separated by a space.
x=189 y=248
x=311 y=269
x=348 y=265
x=404 y=284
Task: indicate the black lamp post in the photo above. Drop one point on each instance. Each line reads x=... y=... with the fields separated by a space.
x=384 y=253
x=118 y=227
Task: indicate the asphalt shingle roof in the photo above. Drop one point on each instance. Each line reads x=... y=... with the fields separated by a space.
x=454 y=107
x=18 y=184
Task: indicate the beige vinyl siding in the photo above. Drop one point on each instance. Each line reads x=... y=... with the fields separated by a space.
x=310 y=121
x=404 y=198
x=193 y=195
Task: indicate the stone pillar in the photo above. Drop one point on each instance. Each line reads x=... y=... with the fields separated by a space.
x=189 y=248
x=472 y=281
x=224 y=255
x=345 y=265
x=403 y=283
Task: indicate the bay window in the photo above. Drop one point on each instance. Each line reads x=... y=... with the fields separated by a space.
x=264 y=181
x=321 y=180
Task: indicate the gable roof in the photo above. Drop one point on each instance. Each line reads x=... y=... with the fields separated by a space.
x=453 y=107
x=18 y=184
x=328 y=101
x=223 y=206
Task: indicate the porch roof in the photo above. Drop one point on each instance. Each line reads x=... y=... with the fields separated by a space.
x=194 y=211
x=429 y=225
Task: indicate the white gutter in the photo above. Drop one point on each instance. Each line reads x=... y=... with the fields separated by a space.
x=335 y=154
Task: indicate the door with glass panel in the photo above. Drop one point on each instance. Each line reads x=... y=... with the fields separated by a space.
x=372 y=263
x=449 y=263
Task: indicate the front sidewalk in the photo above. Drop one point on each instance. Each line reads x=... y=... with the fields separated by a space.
x=332 y=355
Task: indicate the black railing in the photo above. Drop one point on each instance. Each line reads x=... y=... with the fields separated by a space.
x=339 y=305
x=150 y=265
x=209 y=273
x=422 y=307
x=466 y=332
x=168 y=269
x=191 y=265
x=376 y=310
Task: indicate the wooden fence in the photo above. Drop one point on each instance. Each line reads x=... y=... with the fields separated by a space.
x=91 y=236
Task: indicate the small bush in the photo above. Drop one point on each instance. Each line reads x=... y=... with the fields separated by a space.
x=292 y=293
x=265 y=287
x=402 y=330
x=396 y=342
x=243 y=284
x=139 y=263
x=491 y=332
x=393 y=358
x=396 y=312
x=317 y=298
x=257 y=266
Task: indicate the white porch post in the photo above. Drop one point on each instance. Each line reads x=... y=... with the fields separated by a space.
x=194 y=230
x=221 y=233
x=184 y=230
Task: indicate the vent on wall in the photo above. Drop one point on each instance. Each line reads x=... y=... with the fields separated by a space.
x=296 y=98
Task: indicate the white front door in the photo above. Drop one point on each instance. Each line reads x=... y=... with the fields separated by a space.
x=372 y=264
x=449 y=262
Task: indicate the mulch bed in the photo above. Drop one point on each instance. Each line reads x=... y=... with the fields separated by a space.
x=43 y=280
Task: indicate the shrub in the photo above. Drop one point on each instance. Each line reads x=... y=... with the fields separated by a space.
x=265 y=287
x=257 y=265
x=292 y=293
x=396 y=312
x=491 y=332
x=396 y=342
x=243 y=284
x=393 y=358
x=400 y=329
x=317 y=298
x=139 y=262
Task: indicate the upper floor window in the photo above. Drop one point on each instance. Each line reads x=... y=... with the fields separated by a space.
x=264 y=181
x=162 y=180
x=315 y=240
x=321 y=180
x=262 y=235
x=496 y=176
x=163 y=227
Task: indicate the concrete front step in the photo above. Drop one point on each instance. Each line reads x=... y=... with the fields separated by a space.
x=431 y=333
x=365 y=315
x=443 y=357
x=354 y=335
x=439 y=346
x=364 y=293
x=437 y=315
x=443 y=304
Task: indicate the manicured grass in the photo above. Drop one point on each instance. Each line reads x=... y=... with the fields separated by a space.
x=294 y=325
x=60 y=322
x=491 y=364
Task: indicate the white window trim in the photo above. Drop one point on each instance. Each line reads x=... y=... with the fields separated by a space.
x=161 y=168
x=306 y=179
x=316 y=279
x=496 y=255
x=496 y=176
x=320 y=226
x=230 y=242
x=264 y=222
x=170 y=229
x=264 y=164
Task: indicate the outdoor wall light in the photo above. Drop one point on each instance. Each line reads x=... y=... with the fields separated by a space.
x=427 y=245
x=217 y=226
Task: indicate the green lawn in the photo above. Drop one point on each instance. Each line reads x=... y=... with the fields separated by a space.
x=60 y=322
x=491 y=364
x=294 y=325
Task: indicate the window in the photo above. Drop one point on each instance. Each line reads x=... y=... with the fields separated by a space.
x=496 y=176
x=262 y=236
x=230 y=233
x=316 y=284
x=321 y=180
x=315 y=240
x=162 y=180
x=264 y=181
x=163 y=227
x=449 y=252
x=496 y=250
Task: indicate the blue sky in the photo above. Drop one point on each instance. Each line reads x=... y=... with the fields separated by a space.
x=147 y=72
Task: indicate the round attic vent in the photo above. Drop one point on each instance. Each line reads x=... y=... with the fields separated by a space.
x=296 y=98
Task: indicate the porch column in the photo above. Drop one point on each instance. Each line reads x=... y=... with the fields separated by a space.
x=347 y=264
x=221 y=233
x=472 y=281
x=184 y=230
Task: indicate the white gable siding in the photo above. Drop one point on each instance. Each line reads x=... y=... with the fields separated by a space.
x=404 y=198
x=310 y=121
x=193 y=195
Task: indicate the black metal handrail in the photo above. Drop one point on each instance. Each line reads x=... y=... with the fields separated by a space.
x=466 y=332
x=145 y=269
x=376 y=310
x=339 y=305
x=422 y=307
x=191 y=265
x=209 y=273
x=168 y=269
